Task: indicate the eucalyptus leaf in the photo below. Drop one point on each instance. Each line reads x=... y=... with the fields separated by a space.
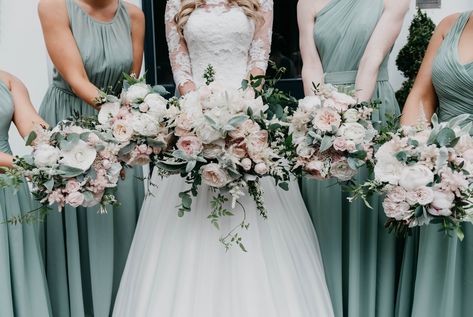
x=49 y=184
x=327 y=142
x=445 y=137
x=236 y=121
x=69 y=172
x=190 y=166
x=31 y=137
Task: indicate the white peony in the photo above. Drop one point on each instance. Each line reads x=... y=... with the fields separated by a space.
x=208 y=134
x=310 y=103
x=81 y=156
x=136 y=92
x=351 y=115
x=353 y=132
x=425 y=195
x=46 y=155
x=145 y=125
x=214 y=176
x=415 y=176
x=442 y=203
x=156 y=106
x=388 y=170
x=108 y=111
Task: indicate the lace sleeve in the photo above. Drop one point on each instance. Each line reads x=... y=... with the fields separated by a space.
x=178 y=53
x=261 y=45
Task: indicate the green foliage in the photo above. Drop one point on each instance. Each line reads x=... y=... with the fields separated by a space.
x=410 y=57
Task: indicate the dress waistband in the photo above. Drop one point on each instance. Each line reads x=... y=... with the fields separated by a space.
x=349 y=77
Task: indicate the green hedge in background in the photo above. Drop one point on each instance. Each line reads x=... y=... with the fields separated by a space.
x=410 y=57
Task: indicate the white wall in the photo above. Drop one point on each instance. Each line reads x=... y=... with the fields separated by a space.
x=448 y=7
x=23 y=53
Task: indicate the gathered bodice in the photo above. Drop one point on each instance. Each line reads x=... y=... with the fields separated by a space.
x=453 y=81
x=342 y=31
x=105 y=47
x=221 y=35
x=6 y=116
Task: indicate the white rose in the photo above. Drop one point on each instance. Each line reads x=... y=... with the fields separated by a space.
x=136 y=92
x=81 y=156
x=415 y=176
x=310 y=103
x=46 y=155
x=326 y=119
x=157 y=105
x=442 y=203
x=145 y=125
x=388 y=170
x=214 y=176
x=261 y=168
x=108 y=111
x=353 y=131
x=122 y=131
x=246 y=164
x=351 y=115
x=342 y=170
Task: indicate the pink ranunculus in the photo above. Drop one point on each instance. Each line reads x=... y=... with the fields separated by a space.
x=326 y=119
x=191 y=145
x=72 y=186
x=246 y=164
x=75 y=199
x=340 y=144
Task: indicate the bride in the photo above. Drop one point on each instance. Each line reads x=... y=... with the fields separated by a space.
x=176 y=266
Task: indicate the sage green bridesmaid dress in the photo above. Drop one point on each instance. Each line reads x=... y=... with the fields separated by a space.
x=23 y=287
x=86 y=251
x=360 y=256
x=437 y=275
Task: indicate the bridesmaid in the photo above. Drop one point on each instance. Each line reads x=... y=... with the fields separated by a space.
x=91 y=43
x=23 y=288
x=437 y=279
x=347 y=42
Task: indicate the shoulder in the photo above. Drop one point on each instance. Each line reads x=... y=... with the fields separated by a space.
x=447 y=23
x=307 y=8
x=135 y=13
x=49 y=8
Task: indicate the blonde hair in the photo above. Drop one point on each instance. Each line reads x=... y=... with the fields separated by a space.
x=250 y=7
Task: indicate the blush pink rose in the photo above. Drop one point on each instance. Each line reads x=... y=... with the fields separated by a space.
x=340 y=144
x=75 y=199
x=191 y=145
x=72 y=186
x=326 y=119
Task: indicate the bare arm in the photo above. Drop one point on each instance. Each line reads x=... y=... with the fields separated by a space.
x=380 y=44
x=423 y=93
x=312 y=70
x=63 y=50
x=137 y=18
x=25 y=116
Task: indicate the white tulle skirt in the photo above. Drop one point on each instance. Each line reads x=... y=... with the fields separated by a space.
x=178 y=268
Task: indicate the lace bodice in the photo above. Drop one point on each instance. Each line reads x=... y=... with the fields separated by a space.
x=222 y=35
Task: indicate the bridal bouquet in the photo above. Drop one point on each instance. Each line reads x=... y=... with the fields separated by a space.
x=136 y=121
x=332 y=134
x=223 y=139
x=427 y=176
x=71 y=165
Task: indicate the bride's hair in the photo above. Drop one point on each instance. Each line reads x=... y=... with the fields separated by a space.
x=250 y=7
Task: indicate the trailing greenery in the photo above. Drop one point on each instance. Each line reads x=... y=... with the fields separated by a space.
x=410 y=57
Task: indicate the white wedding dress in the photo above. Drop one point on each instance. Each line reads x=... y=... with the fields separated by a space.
x=177 y=266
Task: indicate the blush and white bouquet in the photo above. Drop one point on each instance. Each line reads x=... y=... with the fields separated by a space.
x=426 y=175
x=222 y=138
x=71 y=165
x=136 y=121
x=332 y=134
